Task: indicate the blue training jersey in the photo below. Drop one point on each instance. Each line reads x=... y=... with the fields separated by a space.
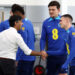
x=54 y=34
x=28 y=35
x=70 y=42
x=4 y=25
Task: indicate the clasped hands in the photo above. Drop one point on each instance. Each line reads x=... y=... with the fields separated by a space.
x=44 y=55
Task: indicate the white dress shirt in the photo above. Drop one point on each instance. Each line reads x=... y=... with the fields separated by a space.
x=10 y=39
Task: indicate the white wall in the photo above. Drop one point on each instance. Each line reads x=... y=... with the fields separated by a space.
x=10 y=2
x=64 y=6
x=71 y=2
x=38 y=2
x=68 y=7
x=24 y=2
x=64 y=3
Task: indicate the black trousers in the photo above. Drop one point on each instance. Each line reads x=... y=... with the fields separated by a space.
x=7 y=67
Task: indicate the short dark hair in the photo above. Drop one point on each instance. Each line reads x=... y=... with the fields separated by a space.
x=68 y=16
x=13 y=19
x=16 y=7
x=54 y=3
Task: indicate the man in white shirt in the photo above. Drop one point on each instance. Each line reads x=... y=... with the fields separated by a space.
x=8 y=47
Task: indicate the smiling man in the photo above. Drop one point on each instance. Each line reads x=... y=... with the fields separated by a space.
x=66 y=23
x=52 y=32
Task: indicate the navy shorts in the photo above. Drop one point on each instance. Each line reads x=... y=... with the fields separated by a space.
x=54 y=64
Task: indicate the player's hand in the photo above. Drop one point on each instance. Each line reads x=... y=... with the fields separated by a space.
x=44 y=55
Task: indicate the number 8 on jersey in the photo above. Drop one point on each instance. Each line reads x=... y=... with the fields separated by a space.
x=55 y=34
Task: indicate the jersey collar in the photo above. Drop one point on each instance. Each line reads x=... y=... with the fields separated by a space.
x=68 y=30
x=57 y=18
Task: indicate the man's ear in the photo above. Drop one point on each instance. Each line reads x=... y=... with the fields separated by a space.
x=59 y=10
x=11 y=13
x=15 y=23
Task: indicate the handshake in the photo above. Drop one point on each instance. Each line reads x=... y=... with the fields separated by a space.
x=44 y=55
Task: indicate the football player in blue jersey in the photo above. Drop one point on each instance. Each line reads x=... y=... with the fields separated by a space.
x=66 y=23
x=52 y=32
x=25 y=63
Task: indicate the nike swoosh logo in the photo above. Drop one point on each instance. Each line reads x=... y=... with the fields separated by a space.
x=49 y=26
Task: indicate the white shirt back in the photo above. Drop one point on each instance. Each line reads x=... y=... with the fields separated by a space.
x=10 y=39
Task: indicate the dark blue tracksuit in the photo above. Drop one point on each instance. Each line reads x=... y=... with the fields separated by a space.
x=54 y=34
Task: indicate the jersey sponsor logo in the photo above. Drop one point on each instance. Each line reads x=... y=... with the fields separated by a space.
x=49 y=26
